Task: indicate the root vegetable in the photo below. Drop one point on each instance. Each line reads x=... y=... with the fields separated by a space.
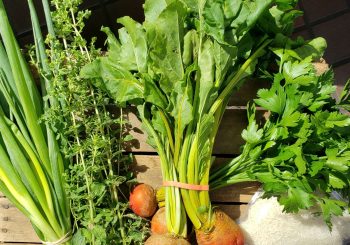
x=143 y=200
x=157 y=239
x=224 y=232
x=158 y=223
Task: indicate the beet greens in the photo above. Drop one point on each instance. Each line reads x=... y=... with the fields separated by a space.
x=180 y=68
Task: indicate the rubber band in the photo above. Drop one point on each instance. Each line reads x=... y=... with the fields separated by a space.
x=186 y=186
x=62 y=240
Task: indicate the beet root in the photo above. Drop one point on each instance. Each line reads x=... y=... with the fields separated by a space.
x=143 y=200
x=158 y=222
x=224 y=232
x=167 y=239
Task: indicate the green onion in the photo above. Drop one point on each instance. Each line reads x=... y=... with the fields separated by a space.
x=31 y=166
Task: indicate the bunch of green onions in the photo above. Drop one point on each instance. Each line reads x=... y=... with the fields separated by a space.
x=31 y=166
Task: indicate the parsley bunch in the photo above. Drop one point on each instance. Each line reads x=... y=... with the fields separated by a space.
x=301 y=153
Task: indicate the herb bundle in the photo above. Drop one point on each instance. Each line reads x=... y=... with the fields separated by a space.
x=301 y=153
x=180 y=68
x=89 y=131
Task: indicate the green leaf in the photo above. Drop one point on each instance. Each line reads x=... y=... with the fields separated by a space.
x=274 y=188
x=225 y=57
x=336 y=182
x=228 y=23
x=301 y=164
x=167 y=59
x=336 y=162
x=299 y=159
x=326 y=91
x=316 y=105
x=121 y=52
x=139 y=42
x=214 y=17
x=128 y=137
x=337 y=119
x=153 y=94
x=314 y=48
x=207 y=73
x=153 y=8
x=316 y=167
x=331 y=207
x=273 y=100
x=190 y=44
x=232 y=8
x=292 y=71
x=291 y=120
x=98 y=189
x=295 y=200
x=306 y=99
x=158 y=123
x=118 y=82
x=182 y=110
x=252 y=134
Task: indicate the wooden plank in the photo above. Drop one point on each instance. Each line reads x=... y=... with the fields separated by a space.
x=229 y=133
x=22 y=243
x=234 y=211
x=247 y=92
x=147 y=170
x=14 y=226
x=242 y=193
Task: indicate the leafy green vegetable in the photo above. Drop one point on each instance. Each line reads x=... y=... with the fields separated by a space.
x=180 y=67
x=308 y=159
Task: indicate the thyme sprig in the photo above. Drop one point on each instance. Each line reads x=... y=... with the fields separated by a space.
x=91 y=135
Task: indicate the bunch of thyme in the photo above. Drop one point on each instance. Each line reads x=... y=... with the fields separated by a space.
x=90 y=132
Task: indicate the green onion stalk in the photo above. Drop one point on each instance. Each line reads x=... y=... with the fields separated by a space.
x=31 y=166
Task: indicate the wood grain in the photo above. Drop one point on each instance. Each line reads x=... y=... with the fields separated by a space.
x=234 y=211
x=247 y=92
x=14 y=226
